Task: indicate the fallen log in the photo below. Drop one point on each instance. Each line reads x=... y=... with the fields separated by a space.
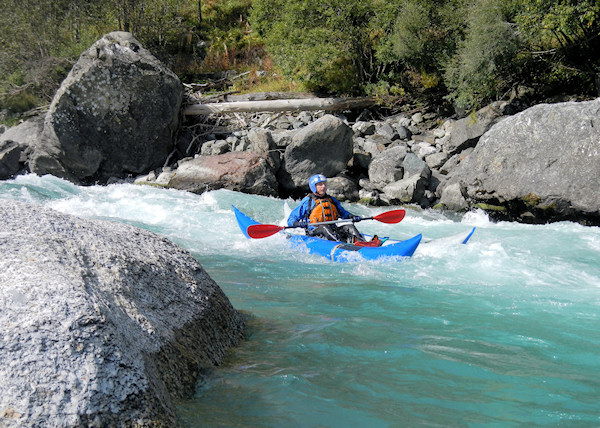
x=308 y=104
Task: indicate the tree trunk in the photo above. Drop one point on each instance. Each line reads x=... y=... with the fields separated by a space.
x=327 y=104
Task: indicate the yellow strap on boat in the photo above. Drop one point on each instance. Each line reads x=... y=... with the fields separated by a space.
x=333 y=251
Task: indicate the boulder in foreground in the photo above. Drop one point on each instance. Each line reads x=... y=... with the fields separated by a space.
x=103 y=324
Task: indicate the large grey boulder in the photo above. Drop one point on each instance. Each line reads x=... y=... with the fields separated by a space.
x=115 y=114
x=246 y=172
x=386 y=167
x=541 y=164
x=103 y=324
x=323 y=147
x=465 y=133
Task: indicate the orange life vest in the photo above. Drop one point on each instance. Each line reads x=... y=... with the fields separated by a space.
x=324 y=210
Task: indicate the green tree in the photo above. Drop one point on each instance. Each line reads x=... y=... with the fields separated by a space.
x=323 y=44
x=348 y=46
x=419 y=34
x=562 y=42
x=414 y=39
x=482 y=67
x=39 y=40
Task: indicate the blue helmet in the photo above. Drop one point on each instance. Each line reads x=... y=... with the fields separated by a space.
x=317 y=178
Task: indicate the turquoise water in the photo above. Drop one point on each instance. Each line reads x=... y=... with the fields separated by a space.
x=503 y=331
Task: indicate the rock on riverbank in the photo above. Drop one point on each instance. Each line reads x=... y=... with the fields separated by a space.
x=542 y=164
x=114 y=114
x=103 y=324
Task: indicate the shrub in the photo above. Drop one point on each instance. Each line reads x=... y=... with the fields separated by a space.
x=481 y=69
x=321 y=44
x=19 y=102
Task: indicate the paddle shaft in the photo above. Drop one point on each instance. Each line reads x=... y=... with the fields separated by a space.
x=394 y=216
x=263 y=230
x=342 y=220
x=257 y=231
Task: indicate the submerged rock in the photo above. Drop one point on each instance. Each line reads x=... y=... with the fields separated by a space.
x=103 y=324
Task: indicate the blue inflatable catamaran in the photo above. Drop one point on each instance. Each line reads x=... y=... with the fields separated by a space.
x=335 y=250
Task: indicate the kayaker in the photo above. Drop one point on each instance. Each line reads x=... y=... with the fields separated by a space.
x=317 y=207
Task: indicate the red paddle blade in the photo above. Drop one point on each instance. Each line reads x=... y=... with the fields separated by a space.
x=258 y=231
x=394 y=216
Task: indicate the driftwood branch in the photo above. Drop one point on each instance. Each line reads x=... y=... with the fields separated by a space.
x=308 y=104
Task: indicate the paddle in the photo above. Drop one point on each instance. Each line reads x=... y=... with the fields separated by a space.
x=258 y=231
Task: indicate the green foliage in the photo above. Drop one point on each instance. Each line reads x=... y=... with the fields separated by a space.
x=266 y=82
x=19 y=103
x=16 y=78
x=546 y=23
x=233 y=45
x=409 y=35
x=378 y=89
x=322 y=44
x=562 y=39
x=482 y=66
x=166 y=25
x=470 y=51
x=417 y=36
x=474 y=50
x=396 y=42
x=222 y=16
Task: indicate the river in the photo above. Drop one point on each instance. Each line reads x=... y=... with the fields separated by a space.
x=502 y=331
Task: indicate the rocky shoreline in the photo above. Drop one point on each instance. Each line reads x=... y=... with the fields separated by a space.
x=117 y=117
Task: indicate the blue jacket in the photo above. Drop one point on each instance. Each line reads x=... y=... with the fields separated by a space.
x=302 y=211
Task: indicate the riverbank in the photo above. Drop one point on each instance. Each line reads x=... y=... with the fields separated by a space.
x=417 y=158
x=101 y=130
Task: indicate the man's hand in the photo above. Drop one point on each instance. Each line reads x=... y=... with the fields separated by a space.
x=356 y=219
x=301 y=223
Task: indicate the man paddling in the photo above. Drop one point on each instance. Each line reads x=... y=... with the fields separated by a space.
x=318 y=207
